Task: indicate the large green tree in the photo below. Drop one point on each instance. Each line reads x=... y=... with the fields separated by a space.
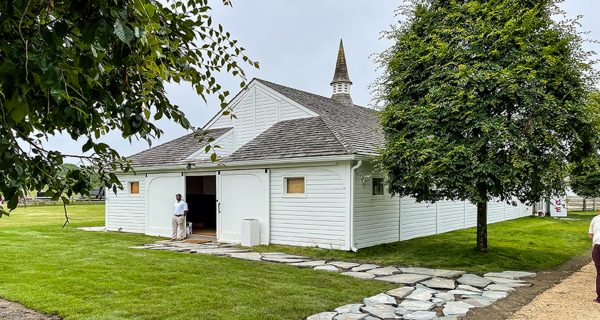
x=483 y=100
x=84 y=68
x=584 y=176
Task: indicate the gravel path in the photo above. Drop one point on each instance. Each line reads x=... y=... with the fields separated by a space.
x=15 y=311
x=571 y=299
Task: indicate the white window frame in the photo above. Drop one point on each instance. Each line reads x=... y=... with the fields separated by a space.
x=284 y=186
x=371 y=187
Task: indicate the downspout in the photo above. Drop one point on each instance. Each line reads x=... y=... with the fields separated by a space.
x=358 y=165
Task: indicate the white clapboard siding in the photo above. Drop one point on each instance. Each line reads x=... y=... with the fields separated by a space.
x=376 y=218
x=256 y=110
x=223 y=147
x=417 y=219
x=450 y=215
x=320 y=217
x=385 y=219
x=126 y=212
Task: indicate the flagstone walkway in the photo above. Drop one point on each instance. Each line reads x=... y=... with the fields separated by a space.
x=423 y=294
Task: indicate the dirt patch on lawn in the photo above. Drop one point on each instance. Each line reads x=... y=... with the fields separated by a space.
x=15 y=311
x=506 y=308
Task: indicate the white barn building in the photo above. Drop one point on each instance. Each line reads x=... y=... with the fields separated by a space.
x=300 y=163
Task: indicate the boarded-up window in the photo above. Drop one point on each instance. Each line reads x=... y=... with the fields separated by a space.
x=134 y=187
x=377 y=186
x=294 y=185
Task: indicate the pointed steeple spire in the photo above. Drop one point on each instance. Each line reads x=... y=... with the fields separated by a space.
x=341 y=81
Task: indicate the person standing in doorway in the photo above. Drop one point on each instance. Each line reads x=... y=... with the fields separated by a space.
x=594 y=234
x=180 y=209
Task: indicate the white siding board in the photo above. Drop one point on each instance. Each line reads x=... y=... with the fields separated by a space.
x=376 y=218
x=127 y=212
x=317 y=219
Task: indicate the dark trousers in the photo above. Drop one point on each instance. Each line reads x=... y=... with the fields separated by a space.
x=596 y=257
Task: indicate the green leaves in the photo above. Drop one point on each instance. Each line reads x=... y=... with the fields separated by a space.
x=87 y=71
x=484 y=95
x=123 y=32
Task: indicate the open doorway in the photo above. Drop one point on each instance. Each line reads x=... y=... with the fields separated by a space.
x=201 y=196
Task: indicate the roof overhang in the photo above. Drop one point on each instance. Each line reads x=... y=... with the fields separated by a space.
x=192 y=166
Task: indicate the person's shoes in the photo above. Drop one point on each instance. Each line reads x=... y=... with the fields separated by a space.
x=173 y=239
x=597 y=300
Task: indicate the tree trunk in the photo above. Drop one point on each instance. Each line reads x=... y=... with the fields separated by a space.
x=482 y=245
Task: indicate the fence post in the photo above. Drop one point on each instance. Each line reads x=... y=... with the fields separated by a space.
x=584 y=206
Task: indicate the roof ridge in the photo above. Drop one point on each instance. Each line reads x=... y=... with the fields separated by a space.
x=317 y=95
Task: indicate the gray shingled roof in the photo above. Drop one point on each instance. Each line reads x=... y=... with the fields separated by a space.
x=356 y=127
x=291 y=139
x=174 y=151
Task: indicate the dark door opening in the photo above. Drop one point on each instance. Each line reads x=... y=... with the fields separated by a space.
x=201 y=196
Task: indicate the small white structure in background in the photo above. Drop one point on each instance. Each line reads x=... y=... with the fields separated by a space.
x=298 y=163
x=558 y=206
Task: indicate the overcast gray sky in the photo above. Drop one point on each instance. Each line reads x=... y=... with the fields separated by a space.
x=296 y=44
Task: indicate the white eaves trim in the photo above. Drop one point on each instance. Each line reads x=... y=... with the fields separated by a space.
x=252 y=163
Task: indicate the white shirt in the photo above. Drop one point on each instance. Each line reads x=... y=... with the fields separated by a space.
x=179 y=208
x=595 y=230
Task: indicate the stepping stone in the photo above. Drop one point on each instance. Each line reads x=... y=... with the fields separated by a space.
x=283 y=256
x=402 y=311
x=495 y=295
x=516 y=275
x=479 y=302
x=421 y=315
x=474 y=280
x=359 y=275
x=416 y=305
x=365 y=267
x=468 y=288
x=369 y=317
x=499 y=287
x=439 y=283
x=420 y=294
x=218 y=251
x=381 y=311
x=449 y=318
x=349 y=308
x=343 y=264
x=309 y=264
x=504 y=280
x=381 y=298
x=404 y=278
x=350 y=316
x=444 y=296
x=434 y=272
x=438 y=302
x=322 y=316
x=418 y=285
x=457 y=308
x=464 y=292
x=252 y=256
x=385 y=271
x=326 y=268
x=282 y=259
x=401 y=292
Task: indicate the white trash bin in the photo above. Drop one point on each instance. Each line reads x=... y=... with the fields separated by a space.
x=250 y=232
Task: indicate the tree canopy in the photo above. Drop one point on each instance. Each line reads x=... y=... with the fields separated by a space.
x=584 y=176
x=484 y=100
x=86 y=68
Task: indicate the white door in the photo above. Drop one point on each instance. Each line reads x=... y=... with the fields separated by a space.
x=161 y=197
x=242 y=194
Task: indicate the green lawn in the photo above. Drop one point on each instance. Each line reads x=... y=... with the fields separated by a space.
x=524 y=244
x=92 y=275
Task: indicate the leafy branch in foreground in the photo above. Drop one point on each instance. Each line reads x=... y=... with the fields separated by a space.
x=87 y=68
